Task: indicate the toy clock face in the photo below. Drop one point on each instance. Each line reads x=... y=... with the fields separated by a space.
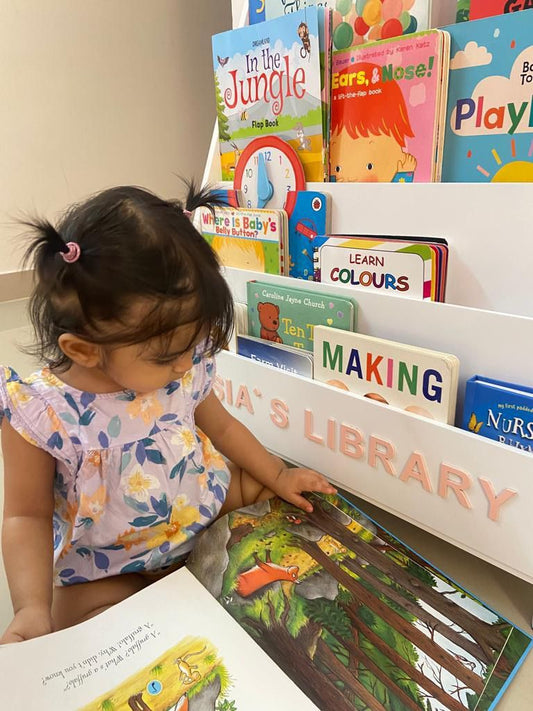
x=269 y=174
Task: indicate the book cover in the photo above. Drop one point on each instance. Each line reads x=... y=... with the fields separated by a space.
x=309 y=219
x=500 y=411
x=385 y=110
x=388 y=265
x=487 y=8
x=280 y=609
x=292 y=360
x=247 y=239
x=256 y=11
x=359 y=21
x=463 y=11
x=489 y=124
x=356 y=618
x=268 y=80
x=287 y=315
x=413 y=379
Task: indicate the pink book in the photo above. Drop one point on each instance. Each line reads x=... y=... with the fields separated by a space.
x=387 y=101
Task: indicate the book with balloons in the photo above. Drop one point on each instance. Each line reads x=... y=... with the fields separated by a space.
x=359 y=21
x=388 y=102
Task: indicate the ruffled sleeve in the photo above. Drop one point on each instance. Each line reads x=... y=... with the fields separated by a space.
x=34 y=418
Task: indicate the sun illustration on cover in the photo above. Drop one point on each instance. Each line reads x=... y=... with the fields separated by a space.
x=473 y=423
x=514 y=171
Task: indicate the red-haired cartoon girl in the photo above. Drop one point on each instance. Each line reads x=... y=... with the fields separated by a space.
x=369 y=125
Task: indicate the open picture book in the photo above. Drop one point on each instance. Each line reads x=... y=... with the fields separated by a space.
x=280 y=609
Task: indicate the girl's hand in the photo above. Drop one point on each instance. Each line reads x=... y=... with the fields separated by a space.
x=29 y=622
x=291 y=482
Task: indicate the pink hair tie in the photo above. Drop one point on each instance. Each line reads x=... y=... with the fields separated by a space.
x=73 y=252
x=187 y=213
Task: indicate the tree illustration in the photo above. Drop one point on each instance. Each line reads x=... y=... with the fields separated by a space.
x=223 y=123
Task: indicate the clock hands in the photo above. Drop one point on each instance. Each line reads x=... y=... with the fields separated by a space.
x=265 y=189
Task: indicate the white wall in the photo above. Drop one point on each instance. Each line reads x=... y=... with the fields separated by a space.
x=101 y=92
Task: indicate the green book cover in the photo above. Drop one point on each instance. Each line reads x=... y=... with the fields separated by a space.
x=287 y=315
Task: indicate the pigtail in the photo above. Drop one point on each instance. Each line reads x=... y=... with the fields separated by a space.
x=204 y=196
x=47 y=250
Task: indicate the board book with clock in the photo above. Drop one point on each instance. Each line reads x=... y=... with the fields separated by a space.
x=280 y=608
x=247 y=239
x=489 y=120
x=411 y=267
x=289 y=315
x=269 y=82
x=417 y=380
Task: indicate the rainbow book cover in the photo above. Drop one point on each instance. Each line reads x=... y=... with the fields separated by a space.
x=359 y=21
x=387 y=99
x=416 y=380
x=401 y=267
x=489 y=124
x=499 y=410
x=246 y=239
x=283 y=314
x=268 y=81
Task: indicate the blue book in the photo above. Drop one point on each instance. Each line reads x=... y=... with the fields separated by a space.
x=256 y=11
x=500 y=411
x=291 y=360
x=489 y=119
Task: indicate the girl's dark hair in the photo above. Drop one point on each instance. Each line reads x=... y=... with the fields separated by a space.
x=133 y=246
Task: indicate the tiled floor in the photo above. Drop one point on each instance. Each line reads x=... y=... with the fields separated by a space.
x=508 y=595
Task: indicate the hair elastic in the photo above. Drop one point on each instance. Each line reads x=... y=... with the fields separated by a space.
x=187 y=213
x=73 y=252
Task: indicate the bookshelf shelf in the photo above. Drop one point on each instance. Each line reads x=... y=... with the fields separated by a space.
x=438 y=477
x=488 y=325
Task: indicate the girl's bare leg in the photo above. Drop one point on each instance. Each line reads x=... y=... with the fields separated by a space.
x=244 y=490
x=76 y=603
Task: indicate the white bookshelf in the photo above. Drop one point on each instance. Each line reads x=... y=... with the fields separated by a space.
x=487 y=321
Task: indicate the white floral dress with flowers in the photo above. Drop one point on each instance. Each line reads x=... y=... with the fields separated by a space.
x=135 y=480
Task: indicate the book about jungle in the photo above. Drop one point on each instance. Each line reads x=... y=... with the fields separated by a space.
x=269 y=81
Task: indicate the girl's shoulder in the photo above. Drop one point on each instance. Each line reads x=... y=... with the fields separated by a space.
x=30 y=404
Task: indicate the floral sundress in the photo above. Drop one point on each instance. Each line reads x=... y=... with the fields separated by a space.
x=135 y=479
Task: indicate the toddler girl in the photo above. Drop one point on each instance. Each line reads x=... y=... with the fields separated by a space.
x=111 y=451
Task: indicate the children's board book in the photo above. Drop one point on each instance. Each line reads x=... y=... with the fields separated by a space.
x=489 y=124
x=487 y=8
x=287 y=315
x=501 y=411
x=411 y=267
x=277 y=355
x=408 y=378
x=256 y=11
x=247 y=239
x=463 y=11
x=280 y=609
x=268 y=81
x=359 y=21
x=388 y=100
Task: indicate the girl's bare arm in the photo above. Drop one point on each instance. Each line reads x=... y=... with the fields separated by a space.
x=27 y=534
x=237 y=443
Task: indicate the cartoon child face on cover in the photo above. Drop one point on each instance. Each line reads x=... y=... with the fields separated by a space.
x=368 y=130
